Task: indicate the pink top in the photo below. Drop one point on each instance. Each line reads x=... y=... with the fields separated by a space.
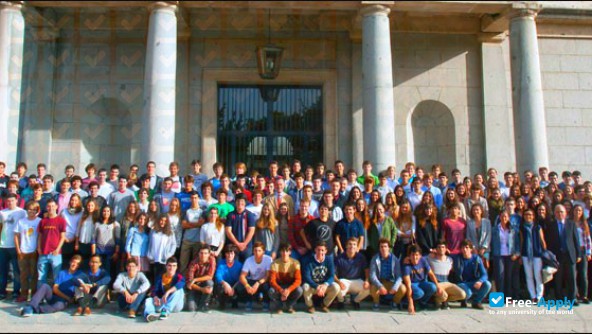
x=455 y=233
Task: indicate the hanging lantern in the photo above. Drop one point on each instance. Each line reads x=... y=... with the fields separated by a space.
x=269 y=61
x=269 y=57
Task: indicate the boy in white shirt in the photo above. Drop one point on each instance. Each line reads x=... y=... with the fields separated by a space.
x=25 y=241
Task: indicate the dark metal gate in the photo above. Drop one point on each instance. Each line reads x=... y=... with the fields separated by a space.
x=258 y=124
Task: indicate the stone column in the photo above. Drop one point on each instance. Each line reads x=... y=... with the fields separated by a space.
x=12 y=36
x=159 y=87
x=377 y=77
x=527 y=90
x=497 y=102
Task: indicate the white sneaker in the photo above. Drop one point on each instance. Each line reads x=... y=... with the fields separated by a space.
x=152 y=317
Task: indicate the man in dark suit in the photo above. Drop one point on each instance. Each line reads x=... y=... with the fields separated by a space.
x=155 y=180
x=562 y=239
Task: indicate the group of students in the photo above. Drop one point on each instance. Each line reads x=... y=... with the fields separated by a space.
x=165 y=244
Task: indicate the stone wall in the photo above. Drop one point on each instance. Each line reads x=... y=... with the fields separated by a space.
x=566 y=66
x=446 y=69
x=90 y=81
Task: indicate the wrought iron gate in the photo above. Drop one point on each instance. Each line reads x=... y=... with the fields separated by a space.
x=258 y=124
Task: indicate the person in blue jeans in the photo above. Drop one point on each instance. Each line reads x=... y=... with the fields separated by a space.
x=470 y=275
x=417 y=274
x=52 y=234
x=164 y=301
x=59 y=295
x=132 y=286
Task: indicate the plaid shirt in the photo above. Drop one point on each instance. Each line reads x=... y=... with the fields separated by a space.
x=295 y=225
x=197 y=269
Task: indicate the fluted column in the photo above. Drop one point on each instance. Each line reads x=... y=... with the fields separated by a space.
x=159 y=87
x=527 y=90
x=12 y=36
x=377 y=77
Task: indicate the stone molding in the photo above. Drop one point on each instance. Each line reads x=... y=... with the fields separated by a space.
x=16 y=5
x=374 y=10
x=527 y=9
x=170 y=5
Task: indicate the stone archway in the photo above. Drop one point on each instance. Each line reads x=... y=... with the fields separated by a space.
x=434 y=139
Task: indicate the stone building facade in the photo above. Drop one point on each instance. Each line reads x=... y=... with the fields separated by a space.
x=467 y=84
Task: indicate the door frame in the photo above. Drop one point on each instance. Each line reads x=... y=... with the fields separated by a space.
x=209 y=116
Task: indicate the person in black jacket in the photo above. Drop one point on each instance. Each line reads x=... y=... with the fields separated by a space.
x=428 y=229
x=562 y=239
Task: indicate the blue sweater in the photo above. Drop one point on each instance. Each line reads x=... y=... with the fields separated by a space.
x=137 y=243
x=317 y=273
x=102 y=277
x=469 y=270
x=228 y=275
x=66 y=282
x=159 y=290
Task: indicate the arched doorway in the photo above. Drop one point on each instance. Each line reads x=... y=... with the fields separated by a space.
x=434 y=139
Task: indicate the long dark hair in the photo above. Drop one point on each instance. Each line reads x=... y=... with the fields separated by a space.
x=95 y=215
x=111 y=215
x=167 y=226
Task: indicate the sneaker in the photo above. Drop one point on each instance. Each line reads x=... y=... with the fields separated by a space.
x=265 y=307
x=375 y=307
x=191 y=305
x=445 y=306
x=163 y=315
x=325 y=309
x=131 y=314
x=291 y=310
x=151 y=317
x=86 y=311
x=206 y=308
x=585 y=301
x=477 y=306
x=356 y=306
x=395 y=306
x=27 y=312
x=249 y=307
x=310 y=310
x=279 y=311
x=78 y=312
x=463 y=304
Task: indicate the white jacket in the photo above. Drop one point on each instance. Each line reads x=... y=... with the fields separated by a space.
x=161 y=247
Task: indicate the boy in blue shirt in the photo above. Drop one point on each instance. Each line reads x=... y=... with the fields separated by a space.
x=417 y=274
x=227 y=277
x=471 y=275
x=57 y=297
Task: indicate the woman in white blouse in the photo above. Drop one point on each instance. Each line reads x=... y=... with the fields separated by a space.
x=85 y=244
x=212 y=233
x=72 y=216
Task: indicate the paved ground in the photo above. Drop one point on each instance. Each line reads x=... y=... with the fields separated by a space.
x=454 y=320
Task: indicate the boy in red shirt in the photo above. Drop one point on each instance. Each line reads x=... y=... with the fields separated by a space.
x=52 y=234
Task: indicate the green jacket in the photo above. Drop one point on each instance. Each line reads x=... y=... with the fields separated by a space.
x=389 y=231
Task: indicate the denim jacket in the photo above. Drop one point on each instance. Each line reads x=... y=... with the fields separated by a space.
x=513 y=240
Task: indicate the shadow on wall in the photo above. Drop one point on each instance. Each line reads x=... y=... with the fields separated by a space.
x=110 y=140
x=434 y=139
